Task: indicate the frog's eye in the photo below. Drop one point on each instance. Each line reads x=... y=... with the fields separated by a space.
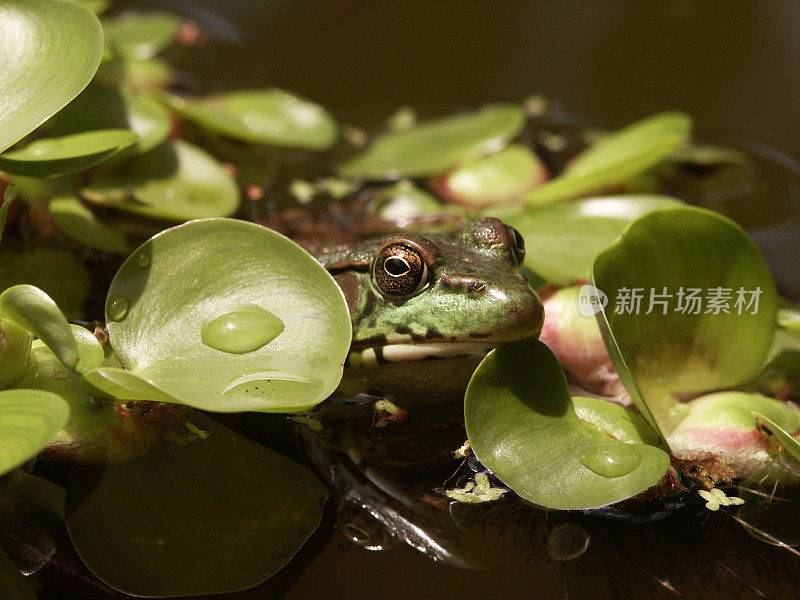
x=519 y=245
x=400 y=270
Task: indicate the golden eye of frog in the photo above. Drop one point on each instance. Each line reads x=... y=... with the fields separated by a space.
x=427 y=309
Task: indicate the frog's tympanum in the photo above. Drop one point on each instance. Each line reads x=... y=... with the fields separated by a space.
x=427 y=309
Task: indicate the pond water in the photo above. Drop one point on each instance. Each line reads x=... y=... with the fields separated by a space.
x=734 y=67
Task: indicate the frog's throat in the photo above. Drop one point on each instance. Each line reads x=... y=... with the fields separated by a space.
x=393 y=353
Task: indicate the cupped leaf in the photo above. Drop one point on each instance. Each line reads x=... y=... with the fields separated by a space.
x=272 y=116
x=68 y=154
x=104 y=107
x=78 y=222
x=98 y=431
x=705 y=314
x=56 y=271
x=434 y=146
x=15 y=347
x=90 y=350
x=499 y=178
x=29 y=419
x=192 y=531
x=521 y=424
x=31 y=308
x=615 y=421
x=120 y=384
x=617 y=157
x=140 y=36
x=176 y=181
x=49 y=52
x=226 y=282
x=562 y=240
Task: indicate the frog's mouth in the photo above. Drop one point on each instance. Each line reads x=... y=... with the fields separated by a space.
x=412 y=352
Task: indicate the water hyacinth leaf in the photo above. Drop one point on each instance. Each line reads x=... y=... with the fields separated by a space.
x=562 y=240
x=433 y=147
x=723 y=423
x=90 y=351
x=15 y=347
x=778 y=435
x=176 y=181
x=56 y=271
x=68 y=154
x=14 y=585
x=96 y=6
x=617 y=157
x=29 y=419
x=195 y=532
x=98 y=431
x=712 y=319
x=615 y=421
x=31 y=308
x=521 y=425
x=49 y=52
x=139 y=36
x=185 y=278
x=271 y=116
x=123 y=385
x=105 y=107
x=134 y=74
x=404 y=200
x=499 y=178
x=78 y=223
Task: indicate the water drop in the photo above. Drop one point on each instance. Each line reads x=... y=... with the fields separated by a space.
x=245 y=329
x=116 y=308
x=611 y=460
x=143 y=259
x=567 y=541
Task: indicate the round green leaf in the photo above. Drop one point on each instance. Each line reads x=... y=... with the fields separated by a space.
x=68 y=154
x=677 y=347
x=134 y=74
x=78 y=222
x=499 y=178
x=271 y=117
x=31 y=308
x=521 y=424
x=617 y=157
x=140 y=36
x=176 y=181
x=49 y=52
x=183 y=279
x=778 y=435
x=103 y=107
x=191 y=529
x=29 y=419
x=562 y=240
x=90 y=350
x=58 y=272
x=434 y=146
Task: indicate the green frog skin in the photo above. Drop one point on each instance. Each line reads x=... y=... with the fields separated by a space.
x=427 y=309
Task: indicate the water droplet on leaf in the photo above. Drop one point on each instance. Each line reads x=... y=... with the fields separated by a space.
x=143 y=259
x=117 y=308
x=611 y=461
x=244 y=329
x=567 y=541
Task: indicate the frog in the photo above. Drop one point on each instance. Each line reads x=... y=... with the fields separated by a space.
x=426 y=309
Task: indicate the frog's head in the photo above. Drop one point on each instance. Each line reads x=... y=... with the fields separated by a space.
x=415 y=298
